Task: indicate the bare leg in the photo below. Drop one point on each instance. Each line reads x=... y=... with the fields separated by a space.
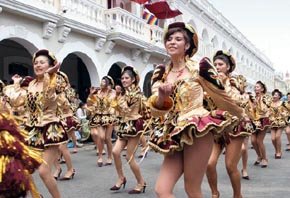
x=232 y=158
x=273 y=138
x=94 y=134
x=100 y=144
x=261 y=146
x=256 y=147
x=287 y=131
x=131 y=146
x=108 y=141
x=196 y=158
x=170 y=172
x=211 y=172
x=245 y=156
x=119 y=146
x=49 y=156
x=66 y=155
x=278 y=141
x=144 y=146
x=57 y=166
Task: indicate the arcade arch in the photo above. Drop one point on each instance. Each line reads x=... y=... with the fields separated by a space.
x=15 y=58
x=78 y=74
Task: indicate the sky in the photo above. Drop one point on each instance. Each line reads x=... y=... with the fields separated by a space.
x=266 y=23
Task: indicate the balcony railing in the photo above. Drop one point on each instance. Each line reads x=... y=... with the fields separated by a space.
x=48 y=5
x=157 y=36
x=84 y=11
x=120 y=20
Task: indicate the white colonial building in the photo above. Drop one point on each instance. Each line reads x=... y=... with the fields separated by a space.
x=94 y=38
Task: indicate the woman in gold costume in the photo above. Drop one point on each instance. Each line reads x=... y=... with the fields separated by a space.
x=235 y=87
x=184 y=128
x=102 y=118
x=130 y=129
x=45 y=130
x=287 y=130
x=70 y=122
x=15 y=96
x=278 y=120
x=261 y=122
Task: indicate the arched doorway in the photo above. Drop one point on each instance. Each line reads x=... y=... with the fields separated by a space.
x=78 y=75
x=115 y=72
x=14 y=59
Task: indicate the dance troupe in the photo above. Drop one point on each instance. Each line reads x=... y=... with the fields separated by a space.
x=196 y=111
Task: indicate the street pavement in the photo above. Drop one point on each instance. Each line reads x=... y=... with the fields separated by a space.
x=92 y=181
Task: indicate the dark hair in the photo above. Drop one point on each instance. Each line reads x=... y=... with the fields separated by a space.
x=226 y=58
x=106 y=80
x=131 y=74
x=263 y=85
x=44 y=52
x=50 y=61
x=187 y=37
x=109 y=81
x=277 y=91
x=288 y=93
x=81 y=104
x=223 y=58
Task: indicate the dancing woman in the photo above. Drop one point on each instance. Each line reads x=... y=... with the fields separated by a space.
x=287 y=130
x=184 y=131
x=102 y=118
x=225 y=65
x=70 y=123
x=130 y=129
x=45 y=131
x=278 y=119
x=15 y=97
x=261 y=122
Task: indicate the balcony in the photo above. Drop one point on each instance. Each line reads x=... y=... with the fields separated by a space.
x=41 y=10
x=131 y=31
x=85 y=16
x=91 y=18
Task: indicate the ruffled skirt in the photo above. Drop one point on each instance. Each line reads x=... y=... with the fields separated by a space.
x=243 y=129
x=71 y=123
x=278 y=123
x=101 y=120
x=168 y=137
x=48 y=135
x=261 y=124
x=131 y=128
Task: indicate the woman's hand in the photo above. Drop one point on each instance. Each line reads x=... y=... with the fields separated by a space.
x=165 y=90
x=222 y=77
x=54 y=69
x=118 y=92
x=93 y=90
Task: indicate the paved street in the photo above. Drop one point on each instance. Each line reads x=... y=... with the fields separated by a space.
x=94 y=182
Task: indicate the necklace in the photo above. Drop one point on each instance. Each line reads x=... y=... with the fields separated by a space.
x=179 y=71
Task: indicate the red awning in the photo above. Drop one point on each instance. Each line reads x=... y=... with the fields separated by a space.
x=140 y=1
x=162 y=10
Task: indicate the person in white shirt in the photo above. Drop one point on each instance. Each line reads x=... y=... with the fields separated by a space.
x=81 y=111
